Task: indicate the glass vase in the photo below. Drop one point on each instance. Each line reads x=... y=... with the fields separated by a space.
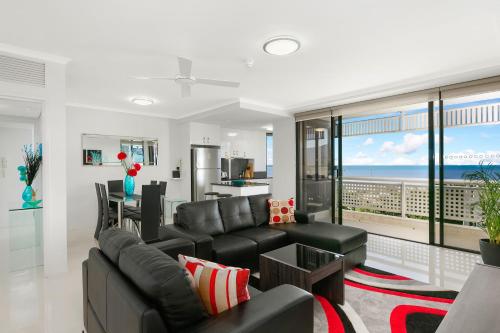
x=129 y=185
x=28 y=193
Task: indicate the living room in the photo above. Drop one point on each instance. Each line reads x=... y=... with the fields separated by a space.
x=333 y=166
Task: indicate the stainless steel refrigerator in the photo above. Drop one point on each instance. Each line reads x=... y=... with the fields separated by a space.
x=205 y=170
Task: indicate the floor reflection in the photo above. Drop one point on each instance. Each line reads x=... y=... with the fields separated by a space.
x=442 y=267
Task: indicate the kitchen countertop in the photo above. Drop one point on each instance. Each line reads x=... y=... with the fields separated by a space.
x=248 y=184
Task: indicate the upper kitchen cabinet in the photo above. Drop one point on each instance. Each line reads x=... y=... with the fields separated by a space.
x=205 y=134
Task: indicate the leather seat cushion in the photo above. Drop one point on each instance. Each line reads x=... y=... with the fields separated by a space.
x=164 y=283
x=260 y=208
x=233 y=250
x=200 y=216
x=331 y=237
x=267 y=239
x=235 y=213
x=112 y=241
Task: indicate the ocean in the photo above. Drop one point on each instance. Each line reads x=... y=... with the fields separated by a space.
x=408 y=171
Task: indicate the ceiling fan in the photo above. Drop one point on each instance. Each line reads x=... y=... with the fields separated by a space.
x=186 y=80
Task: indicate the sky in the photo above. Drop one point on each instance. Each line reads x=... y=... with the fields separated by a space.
x=462 y=146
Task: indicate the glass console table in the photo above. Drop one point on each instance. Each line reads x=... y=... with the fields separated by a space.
x=25 y=236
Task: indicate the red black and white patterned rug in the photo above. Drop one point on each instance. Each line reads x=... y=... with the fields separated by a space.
x=381 y=302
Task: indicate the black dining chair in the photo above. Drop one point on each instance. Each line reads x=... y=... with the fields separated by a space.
x=154 y=182
x=149 y=215
x=163 y=188
x=109 y=216
x=98 y=227
x=115 y=186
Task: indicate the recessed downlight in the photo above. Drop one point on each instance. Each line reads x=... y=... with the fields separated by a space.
x=142 y=101
x=281 y=45
x=232 y=134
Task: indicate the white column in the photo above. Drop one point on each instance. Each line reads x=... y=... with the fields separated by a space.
x=53 y=133
x=284 y=159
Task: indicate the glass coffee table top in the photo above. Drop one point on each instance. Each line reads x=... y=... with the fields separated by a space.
x=303 y=256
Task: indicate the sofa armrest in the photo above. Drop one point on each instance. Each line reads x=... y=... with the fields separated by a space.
x=303 y=217
x=283 y=309
x=202 y=242
x=176 y=246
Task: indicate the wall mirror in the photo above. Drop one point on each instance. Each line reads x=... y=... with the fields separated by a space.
x=101 y=150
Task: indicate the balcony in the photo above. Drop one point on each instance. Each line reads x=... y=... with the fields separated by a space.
x=399 y=208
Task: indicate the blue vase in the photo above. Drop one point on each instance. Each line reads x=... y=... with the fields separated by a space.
x=129 y=185
x=28 y=194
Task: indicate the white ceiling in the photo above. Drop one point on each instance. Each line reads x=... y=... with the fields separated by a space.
x=237 y=116
x=20 y=108
x=348 y=47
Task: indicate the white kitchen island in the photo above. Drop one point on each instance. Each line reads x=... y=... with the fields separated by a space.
x=237 y=191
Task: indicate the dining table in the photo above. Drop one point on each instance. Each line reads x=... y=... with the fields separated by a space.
x=121 y=198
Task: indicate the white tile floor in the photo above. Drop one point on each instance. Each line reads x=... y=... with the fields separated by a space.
x=31 y=303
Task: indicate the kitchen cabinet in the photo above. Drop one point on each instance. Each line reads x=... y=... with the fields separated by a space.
x=204 y=134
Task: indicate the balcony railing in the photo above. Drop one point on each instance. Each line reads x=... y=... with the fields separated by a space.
x=410 y=198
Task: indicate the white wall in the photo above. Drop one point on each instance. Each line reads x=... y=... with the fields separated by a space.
x=82 y=200
x=181 y=153
x=284 y=162
x=249 y=144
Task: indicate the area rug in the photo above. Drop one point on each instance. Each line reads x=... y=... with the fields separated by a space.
x=381 y=302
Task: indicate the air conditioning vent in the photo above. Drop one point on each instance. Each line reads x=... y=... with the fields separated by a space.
x=22 y=71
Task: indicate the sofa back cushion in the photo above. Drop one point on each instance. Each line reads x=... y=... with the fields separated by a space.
x=112 y=241
x=201 y=216
x=260 y=208
x=164 y=283
x=236 y=213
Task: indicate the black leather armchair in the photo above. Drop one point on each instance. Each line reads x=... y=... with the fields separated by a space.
x=114 y=302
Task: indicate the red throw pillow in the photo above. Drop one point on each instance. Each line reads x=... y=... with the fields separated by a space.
x=220 y=287
x=281 y=211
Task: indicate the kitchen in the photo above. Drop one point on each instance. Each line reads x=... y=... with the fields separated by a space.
x=240 y=165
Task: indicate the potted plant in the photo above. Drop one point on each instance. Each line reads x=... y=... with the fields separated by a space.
x=488 y=182
x=28 y=171
x=131 y=170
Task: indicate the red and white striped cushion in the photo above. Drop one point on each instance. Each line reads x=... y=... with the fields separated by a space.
x=220 y=287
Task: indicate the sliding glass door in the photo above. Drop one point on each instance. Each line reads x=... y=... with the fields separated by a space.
x=401 y=166
x=385 y=180
x=470 y=142
x=314 y=172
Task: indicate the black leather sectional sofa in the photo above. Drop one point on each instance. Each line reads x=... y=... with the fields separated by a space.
x=131 y=287
x=234 y=231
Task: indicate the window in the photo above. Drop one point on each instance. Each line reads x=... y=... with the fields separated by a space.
x=134 y=149
x=269 y=154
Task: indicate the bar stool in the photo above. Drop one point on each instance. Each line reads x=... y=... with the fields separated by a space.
x=211 y=195
x=224 y=195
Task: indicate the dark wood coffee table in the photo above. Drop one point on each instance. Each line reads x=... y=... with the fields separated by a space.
x=314 y=270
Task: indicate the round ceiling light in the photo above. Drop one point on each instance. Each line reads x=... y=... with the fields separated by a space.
x=143 y=101
x=281 y=45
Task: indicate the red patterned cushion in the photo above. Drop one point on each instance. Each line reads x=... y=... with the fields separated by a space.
x=281 y=211
x=220 y=287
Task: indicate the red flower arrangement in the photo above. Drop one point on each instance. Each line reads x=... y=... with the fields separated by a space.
x=130 y=169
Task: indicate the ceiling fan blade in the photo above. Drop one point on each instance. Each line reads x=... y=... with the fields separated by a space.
x=153 y=78
x=221 y=83
x=184 y=66
x=185 y=90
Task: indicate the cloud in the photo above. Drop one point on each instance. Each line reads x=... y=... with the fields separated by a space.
x=368 y=142
x=359 y=159
x=471 y=157
x=447 y=139
x=411 y=143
